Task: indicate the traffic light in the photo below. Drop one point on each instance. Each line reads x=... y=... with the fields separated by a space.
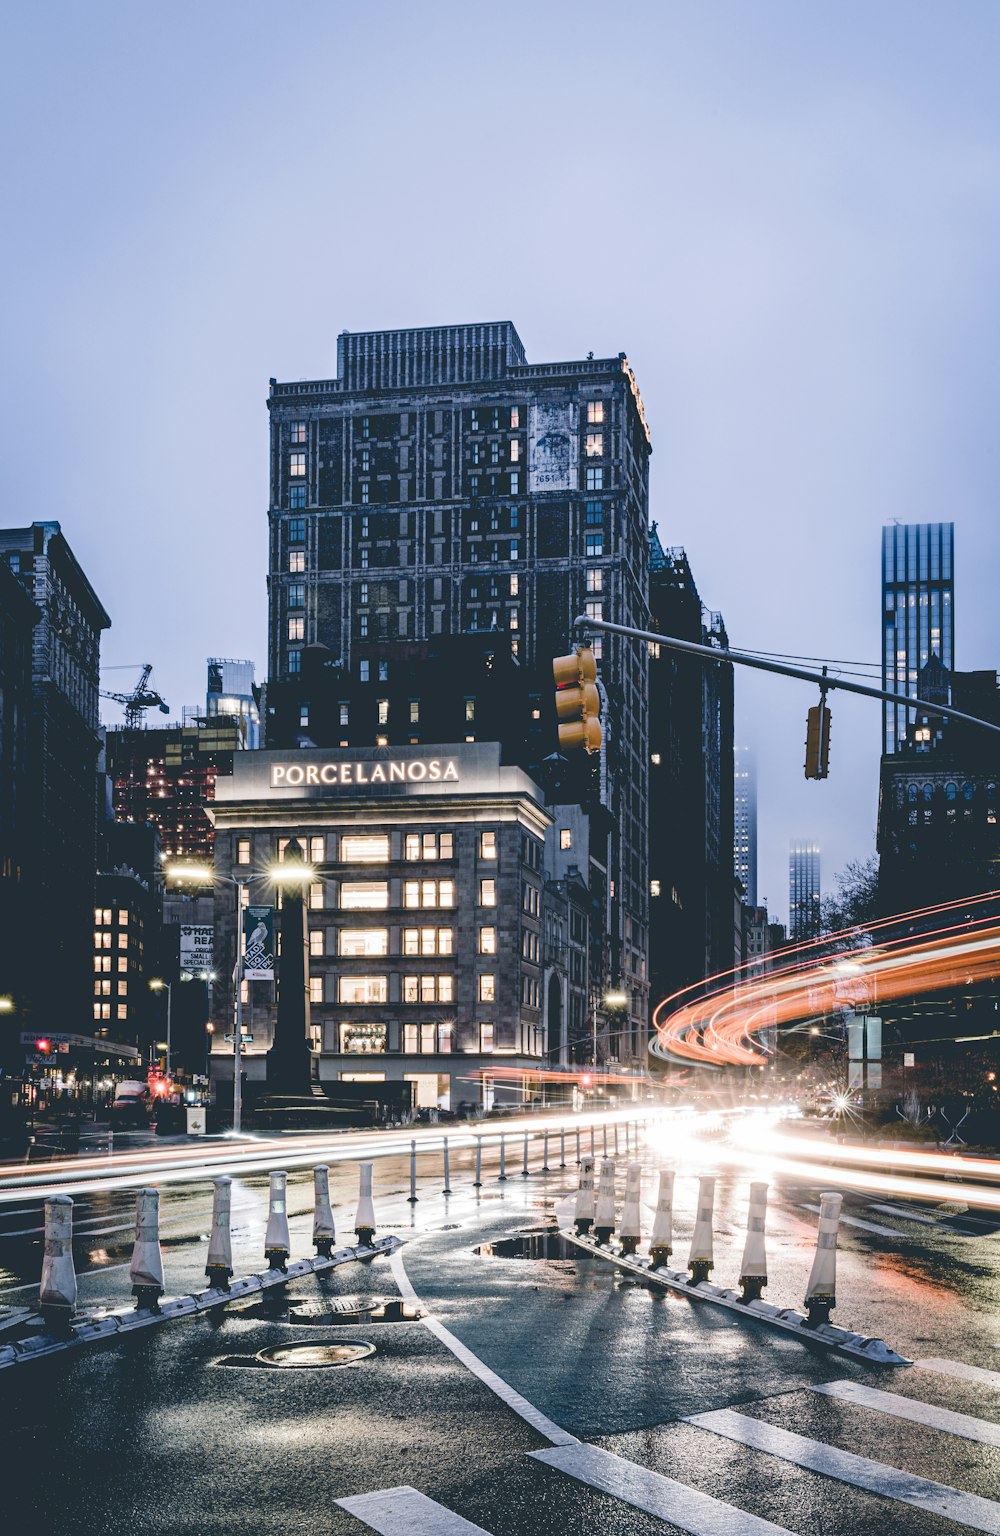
x=43 y=1047
x=818 y=742
x=578 y=703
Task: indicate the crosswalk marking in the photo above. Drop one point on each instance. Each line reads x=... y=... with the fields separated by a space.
x=921 y=1492
x=958 y=1368
x=962 y=1424
x=404 y=1511
x=688 y=1508
x=906 y=1215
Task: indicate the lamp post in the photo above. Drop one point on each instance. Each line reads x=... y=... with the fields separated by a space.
x=158 y=985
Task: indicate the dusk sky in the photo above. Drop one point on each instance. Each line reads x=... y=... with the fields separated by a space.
x=787 y=215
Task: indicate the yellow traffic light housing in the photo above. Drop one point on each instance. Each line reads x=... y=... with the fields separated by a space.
x=817 y=763
x=578 y=702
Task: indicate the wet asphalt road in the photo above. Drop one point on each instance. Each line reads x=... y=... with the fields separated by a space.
x=154 y=1434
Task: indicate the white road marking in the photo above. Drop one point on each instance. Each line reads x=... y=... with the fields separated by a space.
x=406 y=1512
x=962 y=1424
x=920 y=1492
x=688 y=1508
x=961 y=1370
x=507 y=1394
x=866 y=1226
x=906 y=1215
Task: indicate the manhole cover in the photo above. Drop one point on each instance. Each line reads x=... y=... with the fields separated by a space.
x=543 y=1244
x=312 y=1356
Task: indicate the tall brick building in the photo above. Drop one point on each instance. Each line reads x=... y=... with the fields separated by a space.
x=442 y=485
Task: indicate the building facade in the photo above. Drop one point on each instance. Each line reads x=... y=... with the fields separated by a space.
x=803 y=890
x=61 y=812
x=167 y=776
x=423 y=910
x=691 y=787
x=441 y=485
x=127 y=936
x=18 y=617
x=231 y=692
x=918 y=616
x=745 y=821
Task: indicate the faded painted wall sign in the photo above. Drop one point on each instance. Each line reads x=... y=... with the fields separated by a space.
x=553 y=446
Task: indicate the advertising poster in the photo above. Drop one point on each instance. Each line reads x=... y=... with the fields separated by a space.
x=196 y=947
x=258 y=944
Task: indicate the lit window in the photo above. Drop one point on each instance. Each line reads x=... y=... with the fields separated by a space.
x=515 y=450
x=470 y=709
x=316 y=946
x=654 y=887
x=486 y=1037
x=487 y=988
x=383 y=711
x=345 y=713
x=595 y=413
x=595 y=477
x=487 y=893
x=594 y=545
x=297 y=432
x=487 y=941
x=565 y=838
x=296 y=561
x=364 y=896
x=595 y=610
x=296 y=629
x=414 y=711
x=357 y=943
x=595 y=580
x=317 y=896
x=315 y=989
x=655 y=759
x=514 y=580
x=123 y=1010
x=297 y=464
x=360 y=990
x=317 y=849
x=243 y=850
x=364 y=848
x=487 y=845
x=122 y=963
x=594 y=445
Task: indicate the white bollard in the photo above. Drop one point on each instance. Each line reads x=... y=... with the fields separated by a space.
x=604 y=1133
x=277 y=1243
x=364 y=1220
x=413 y=1173
x=57 y=1292
x=146 y=1268
x=661 y=1241
x=616 y=1138
x=578 y=1144
x=502 y=1175
x=753 y=1270
x=821 y=1292
x=702 y=1259
x=545 y=1152
x=219 y=1264
x=630 y=1227
x=447 y=1169
x=477 y=1181
x=324 y=1229
x=584 y=1216
x=627 y=1146
x=604 y=1211
x=524 y=1162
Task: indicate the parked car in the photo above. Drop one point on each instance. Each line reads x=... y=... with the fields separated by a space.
x=130 y=1108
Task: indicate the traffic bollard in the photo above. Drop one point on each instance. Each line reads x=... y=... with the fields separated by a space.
x=413 y=1173
x=277 y=1243
x=702 y=1259
x=627 y=1148
x=146 y=1268
x=524 y=1161
x=661 y=1241
x=477 y=1181
x=502 y=1175
x=604 y=1211
x=584 y=1215
x=578 y=1145
x=57 y=1292
x=562 y=1149
x=592 y=1151
x=545 y=1152
x=324 y=1230
x=630 y=1230
x=753 y=1270
x=604 y=1133
x=821 y=1292
x=447 y=1170
x=219 y=1264
x=364 y=1220
x=616 y=1138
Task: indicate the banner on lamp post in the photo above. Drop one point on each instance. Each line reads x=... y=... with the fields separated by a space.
x=258 y=944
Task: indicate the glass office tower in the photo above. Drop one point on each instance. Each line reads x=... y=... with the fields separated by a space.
x=918 y=619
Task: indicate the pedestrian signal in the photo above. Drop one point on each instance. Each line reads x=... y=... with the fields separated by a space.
x=578 y=703
x=818 y=742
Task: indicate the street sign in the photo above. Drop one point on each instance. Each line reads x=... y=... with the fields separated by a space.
x=244 y=1039
x=909 y=1059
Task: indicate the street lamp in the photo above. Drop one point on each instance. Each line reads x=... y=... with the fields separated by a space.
x=158 y=985
x=6 y=1005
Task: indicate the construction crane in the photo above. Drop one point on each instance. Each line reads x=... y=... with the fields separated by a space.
x=141 y=698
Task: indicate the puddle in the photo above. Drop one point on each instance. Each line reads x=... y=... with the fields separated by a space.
x=303 y=1356
x=540 y=1244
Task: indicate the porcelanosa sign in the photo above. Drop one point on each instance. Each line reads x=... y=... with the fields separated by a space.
x=413 y=770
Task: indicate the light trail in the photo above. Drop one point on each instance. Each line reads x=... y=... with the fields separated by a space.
x=720 y=1028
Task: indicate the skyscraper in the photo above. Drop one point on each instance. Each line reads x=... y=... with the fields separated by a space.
x=745 y=821
x=441 y=484
x=231 y=691
x=918 y=620
x=803 y=891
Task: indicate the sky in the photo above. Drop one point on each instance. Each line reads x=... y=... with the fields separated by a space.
x=787 y=216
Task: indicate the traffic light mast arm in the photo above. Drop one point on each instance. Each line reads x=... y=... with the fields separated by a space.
x=740 y=658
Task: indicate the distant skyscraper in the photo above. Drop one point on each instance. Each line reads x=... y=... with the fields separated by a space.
x=803 y=891
x=745 y=826
x=231 y=692
x=918 y=620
